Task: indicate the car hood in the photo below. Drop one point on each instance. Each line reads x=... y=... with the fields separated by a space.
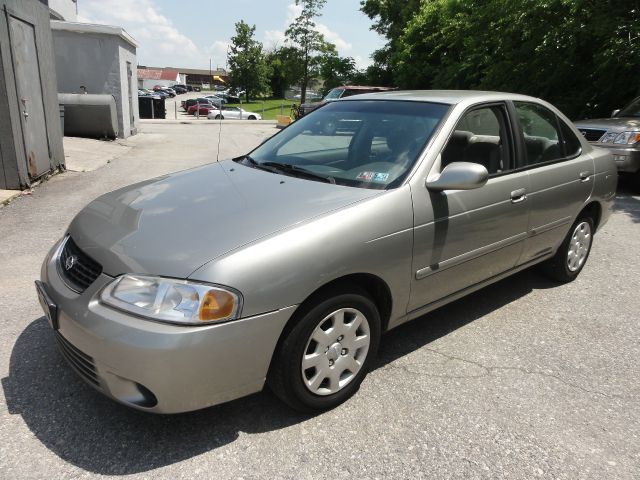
x=174 y=224
x=616 y=124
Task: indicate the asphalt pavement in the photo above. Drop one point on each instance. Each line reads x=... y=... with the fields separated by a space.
x=523 y=379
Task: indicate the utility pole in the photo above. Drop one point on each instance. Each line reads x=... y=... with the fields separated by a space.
x=210 y=77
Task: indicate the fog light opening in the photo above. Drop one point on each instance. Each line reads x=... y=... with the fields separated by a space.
x=147 y=399
x=133 y=393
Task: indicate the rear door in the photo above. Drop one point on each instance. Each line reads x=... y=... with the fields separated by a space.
x=24 y=57
x=561 y=177
x=462 y=237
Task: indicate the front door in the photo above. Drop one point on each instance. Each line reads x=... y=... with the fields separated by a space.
x=24 y=56
x=462 y=237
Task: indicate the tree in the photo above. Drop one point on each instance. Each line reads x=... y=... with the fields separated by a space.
x=336 y=70
x=565 y=51
x=303 y=34
x=248 y=67
x=286 y=69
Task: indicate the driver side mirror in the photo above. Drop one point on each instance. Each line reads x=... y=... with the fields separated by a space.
x=615 y=113
x=459 y=176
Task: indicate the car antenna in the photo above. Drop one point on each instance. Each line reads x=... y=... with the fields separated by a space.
x=219 y=130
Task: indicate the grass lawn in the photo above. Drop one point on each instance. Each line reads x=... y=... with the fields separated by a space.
x=267 y=108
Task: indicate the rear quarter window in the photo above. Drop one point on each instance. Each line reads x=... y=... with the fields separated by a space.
x=572 y=145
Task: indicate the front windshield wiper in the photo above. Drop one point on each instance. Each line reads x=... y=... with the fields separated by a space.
x=253 y=163
x=293 y=170
x=298 y=171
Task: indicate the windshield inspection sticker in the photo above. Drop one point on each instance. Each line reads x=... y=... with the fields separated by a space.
x=366 y=176
x=380 y=177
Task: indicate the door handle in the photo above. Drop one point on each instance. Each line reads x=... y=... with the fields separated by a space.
x=25 y=114
x=585 y=176
x=519 y=195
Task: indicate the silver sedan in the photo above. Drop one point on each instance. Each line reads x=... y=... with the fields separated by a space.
x=620 y=134
x=233 y=113
x=284 y=266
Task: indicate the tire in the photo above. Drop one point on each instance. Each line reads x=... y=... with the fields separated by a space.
x=219 y=117
x=566 y=264
x=343 y=323
x=251 y=117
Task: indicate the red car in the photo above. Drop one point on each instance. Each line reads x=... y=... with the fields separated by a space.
x=204 y=109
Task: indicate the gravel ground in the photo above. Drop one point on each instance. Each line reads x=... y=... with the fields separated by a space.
x=523 y=379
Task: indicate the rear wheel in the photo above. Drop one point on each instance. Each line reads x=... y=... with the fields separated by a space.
x=323 y=359
x=251 y=117
x=219 y=117
x=572 y=255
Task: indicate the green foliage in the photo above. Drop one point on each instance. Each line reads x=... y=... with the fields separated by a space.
x=581 y=55
x=335 y=70
x=310 y=43
x=248 y=68
x=286 y=69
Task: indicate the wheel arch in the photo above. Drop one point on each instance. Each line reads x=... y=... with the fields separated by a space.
x=594 y=210
x=374 y=286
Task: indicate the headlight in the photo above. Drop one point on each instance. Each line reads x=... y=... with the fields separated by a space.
x=627 y=138
x=171 y=300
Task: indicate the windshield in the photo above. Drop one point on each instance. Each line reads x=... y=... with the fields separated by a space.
x=631 y=110
x=367 y=144
x=333 y=94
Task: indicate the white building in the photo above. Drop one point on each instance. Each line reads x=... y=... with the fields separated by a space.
x=150 y=77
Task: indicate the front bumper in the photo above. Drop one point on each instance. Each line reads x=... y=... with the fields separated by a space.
x=627 y=159
x=159 y=367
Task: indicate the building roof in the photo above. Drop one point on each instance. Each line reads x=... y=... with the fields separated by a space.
x=78 y=27
x=190 y=71
x=157 y=74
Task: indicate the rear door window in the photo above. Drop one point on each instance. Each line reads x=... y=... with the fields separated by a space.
x=541 y=134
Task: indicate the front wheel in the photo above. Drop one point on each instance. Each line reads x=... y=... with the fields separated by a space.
x=326 y=355
x=219 y=117
x=251 y=117
x=572 y=255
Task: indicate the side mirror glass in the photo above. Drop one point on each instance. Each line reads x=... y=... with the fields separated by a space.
x=615 y=113
x=459 y=176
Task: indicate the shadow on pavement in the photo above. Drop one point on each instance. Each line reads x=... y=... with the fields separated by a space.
x=96 y=434
x=626 y=202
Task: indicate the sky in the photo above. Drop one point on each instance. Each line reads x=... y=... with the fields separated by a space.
x=187 y=33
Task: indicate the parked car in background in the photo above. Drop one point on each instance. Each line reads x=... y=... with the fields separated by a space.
x=338 y=93
x=233 y=113
x=216 y=99
x=169 y=91
x=286 y=264
x=162 y=93
x=185 y=104
x=179 y=89
x=620 y=134
x=202 y=108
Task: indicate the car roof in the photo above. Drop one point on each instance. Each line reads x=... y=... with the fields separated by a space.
x=450 y=97
x=365 y=87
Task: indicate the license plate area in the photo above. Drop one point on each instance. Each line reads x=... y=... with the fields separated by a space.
x=48 y=306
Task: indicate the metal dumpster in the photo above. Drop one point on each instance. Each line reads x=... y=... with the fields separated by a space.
x=87 y=115
x=151 y=107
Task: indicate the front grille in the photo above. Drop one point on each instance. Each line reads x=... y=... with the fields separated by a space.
x=77 y=268
x=81 y=362
x=592 y=134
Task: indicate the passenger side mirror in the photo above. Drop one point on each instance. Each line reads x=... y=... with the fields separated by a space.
x=459 y=176
x=615 y=113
